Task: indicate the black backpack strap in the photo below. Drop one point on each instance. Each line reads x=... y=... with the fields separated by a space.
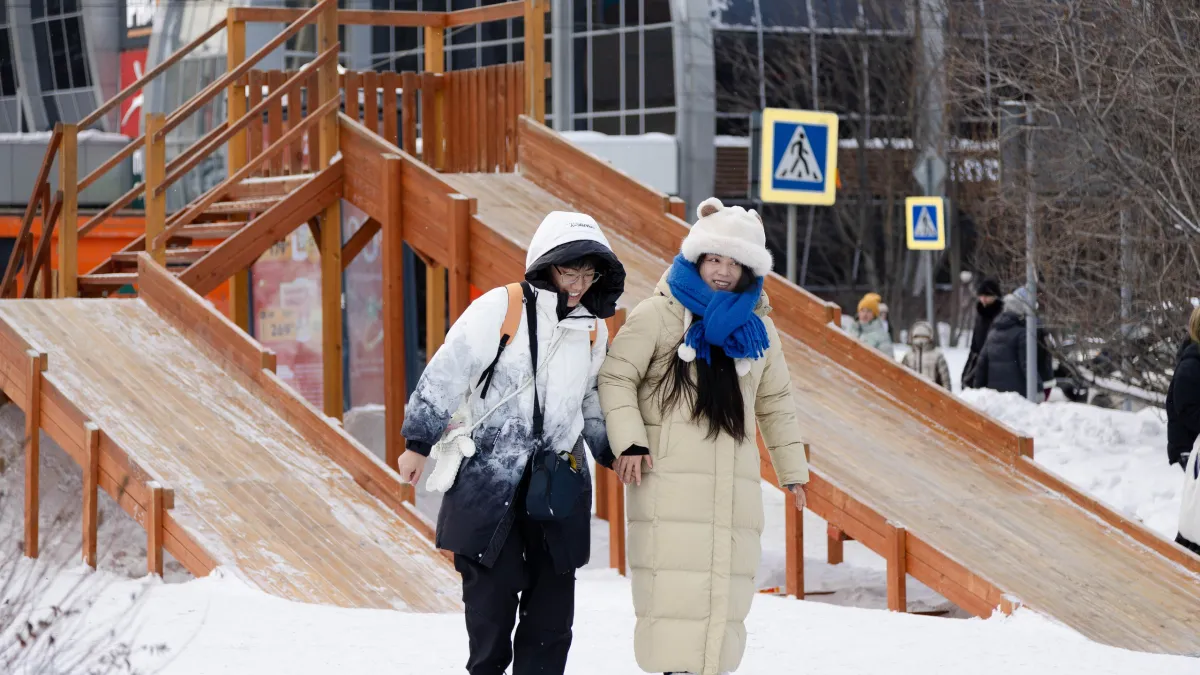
x=531 y=316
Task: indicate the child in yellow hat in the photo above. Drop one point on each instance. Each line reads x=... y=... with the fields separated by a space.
x=868 y=328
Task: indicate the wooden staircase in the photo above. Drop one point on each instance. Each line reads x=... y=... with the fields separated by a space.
x=234 y=222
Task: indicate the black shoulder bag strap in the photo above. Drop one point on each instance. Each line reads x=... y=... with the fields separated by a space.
x=531 y=315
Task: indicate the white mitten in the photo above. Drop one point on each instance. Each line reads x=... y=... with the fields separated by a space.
x=449 y=452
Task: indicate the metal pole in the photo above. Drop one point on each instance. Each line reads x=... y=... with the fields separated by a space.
x=1126 y=270
x=1033 y=384
x=929 y=269
x=791 y=243
x=560 y=64
x=812 y=210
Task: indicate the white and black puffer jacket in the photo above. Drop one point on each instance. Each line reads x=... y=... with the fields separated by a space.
x=477 y=512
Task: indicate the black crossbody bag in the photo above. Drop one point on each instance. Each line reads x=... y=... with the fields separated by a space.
x=555 y=484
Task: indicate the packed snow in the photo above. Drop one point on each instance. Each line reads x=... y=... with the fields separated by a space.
x=182 y=626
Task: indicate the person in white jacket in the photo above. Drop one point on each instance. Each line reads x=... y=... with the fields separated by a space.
x=573 y=279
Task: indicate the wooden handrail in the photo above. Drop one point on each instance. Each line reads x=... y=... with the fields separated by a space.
x=122 y=154
x=252 y=115
x=43 y=248
x=394 y=19
x=27 y=220
x=213 y=195
x=154 y=72
x=346 y=17
x=228 y=78
x=121 y=202
x=497 y=12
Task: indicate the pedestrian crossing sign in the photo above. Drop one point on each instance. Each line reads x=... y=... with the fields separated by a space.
x=799 y=157
x=926 y=219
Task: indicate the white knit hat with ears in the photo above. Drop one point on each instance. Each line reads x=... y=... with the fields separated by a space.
x=731 y=231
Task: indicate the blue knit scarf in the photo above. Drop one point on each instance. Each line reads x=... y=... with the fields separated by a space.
x=724 y=319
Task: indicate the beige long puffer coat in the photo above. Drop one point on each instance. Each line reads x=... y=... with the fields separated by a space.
x=696 y=519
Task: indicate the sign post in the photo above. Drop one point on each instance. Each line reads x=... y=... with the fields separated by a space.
x=925 y=219
x=798 y=155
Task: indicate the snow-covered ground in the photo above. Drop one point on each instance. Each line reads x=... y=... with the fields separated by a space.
x=217 y=624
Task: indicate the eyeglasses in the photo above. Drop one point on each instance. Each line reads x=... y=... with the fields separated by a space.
x=571 y=277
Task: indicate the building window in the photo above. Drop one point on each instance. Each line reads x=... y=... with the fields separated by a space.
x=624 y=72
x=63 y=70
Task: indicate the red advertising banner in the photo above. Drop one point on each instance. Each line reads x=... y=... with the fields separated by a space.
x=133 y=67
x=364 y=314
x=287 y=310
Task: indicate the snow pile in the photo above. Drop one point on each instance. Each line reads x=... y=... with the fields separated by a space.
x=1120 y=458
x=121 y=547
x=218 y=624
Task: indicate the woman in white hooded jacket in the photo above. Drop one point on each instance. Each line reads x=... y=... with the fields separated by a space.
x=573 y=280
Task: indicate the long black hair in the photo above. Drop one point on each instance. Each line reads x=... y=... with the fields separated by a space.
x=714 y=395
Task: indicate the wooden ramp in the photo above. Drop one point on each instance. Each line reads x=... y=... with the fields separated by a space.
x=946 y=494
x=255 y=478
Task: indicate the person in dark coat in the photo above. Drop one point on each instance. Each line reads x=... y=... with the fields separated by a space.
x=1183 y=397
x=986 y=311
x=1001 y=364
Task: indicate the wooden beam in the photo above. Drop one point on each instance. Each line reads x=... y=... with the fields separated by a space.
x=359 y=240
x=154 y=529
x=156 y=200
x=394 y=345
x=794 y=547
x=345 y=17
x=331 y=225
x=187 y=311
x=242 y=249
x=68 y=236
x=461 y=210
x=834 y=551
x=435 y=309
x=31 y=206
x=33 y=428
x=535 y=59
x=897 y=569
x=616 y=489
x=497 y=12
x=91 y=482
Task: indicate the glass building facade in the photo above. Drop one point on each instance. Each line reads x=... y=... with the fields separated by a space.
x=57 y=62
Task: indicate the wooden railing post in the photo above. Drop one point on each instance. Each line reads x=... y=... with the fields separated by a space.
x=331 y=224
x=235 y=54
x=395 y=391
x=461 y=210
x=156 y=202
x=794 y=544
x=91 y=483
x=433 y=128
x=33 y=427
x=897 y=568
x=154 y=529
x=615 y=502
x=68 y=235
x=835 y=552
x=433 y=154
x=535 y=59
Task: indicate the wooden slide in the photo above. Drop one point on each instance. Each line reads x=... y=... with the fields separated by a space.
x=179 y=416
x=946 y=494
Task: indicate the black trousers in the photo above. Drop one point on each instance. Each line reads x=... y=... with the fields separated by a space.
x=546 y=604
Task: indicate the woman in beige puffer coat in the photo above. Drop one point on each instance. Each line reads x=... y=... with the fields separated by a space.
x=687 y=406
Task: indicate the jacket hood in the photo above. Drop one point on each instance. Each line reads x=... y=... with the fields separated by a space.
x=1019 y=302
x=922 y=333
x=762 y=308
x=1189 y=351
x=564 y=236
